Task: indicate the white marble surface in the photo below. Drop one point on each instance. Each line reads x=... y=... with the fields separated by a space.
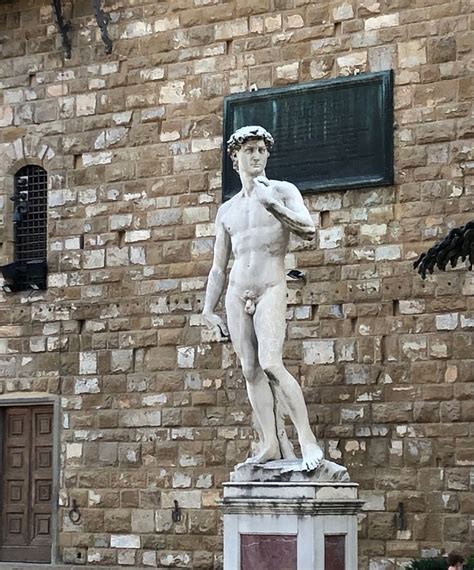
x=255 y=226
x=307 y=510
x=288 y=470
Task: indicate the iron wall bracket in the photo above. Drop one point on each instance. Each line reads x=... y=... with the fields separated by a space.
x=63 y=27
x=102 y=20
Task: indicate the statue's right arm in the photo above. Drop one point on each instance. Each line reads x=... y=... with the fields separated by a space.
x=217 y=275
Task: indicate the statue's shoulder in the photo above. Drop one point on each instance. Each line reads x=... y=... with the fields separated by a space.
x=226 y=207
x=284 y=187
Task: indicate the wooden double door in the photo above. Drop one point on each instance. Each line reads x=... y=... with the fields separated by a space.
x=26 y=484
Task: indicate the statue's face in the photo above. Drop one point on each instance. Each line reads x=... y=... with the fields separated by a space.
x=252 y=157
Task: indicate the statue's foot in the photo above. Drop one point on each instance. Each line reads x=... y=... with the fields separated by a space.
x=269 y=453
x=312 y=456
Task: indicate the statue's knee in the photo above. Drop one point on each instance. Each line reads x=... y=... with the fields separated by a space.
x=272 y=370
x=249 y=373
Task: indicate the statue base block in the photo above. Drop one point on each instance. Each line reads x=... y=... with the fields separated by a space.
x=285 y=470
x=290 y=524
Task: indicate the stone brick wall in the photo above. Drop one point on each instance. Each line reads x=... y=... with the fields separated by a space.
x=154 y=408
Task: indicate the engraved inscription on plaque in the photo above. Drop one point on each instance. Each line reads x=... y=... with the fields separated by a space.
x=331 y=134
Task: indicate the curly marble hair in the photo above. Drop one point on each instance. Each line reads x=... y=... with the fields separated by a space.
x=244 y=134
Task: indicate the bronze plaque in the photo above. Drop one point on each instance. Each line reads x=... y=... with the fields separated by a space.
x=331 y=134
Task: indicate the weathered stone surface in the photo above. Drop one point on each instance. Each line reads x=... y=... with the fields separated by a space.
x=289 y=470
x=153 y=409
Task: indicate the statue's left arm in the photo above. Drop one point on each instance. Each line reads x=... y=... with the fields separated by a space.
x=291 y=211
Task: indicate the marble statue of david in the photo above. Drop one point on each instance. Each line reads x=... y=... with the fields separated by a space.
x=255 y=227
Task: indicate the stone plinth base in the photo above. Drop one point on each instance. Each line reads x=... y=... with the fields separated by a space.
x=291 y=525
x=285 y=470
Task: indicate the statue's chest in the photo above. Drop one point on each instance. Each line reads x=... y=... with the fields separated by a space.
x=247 y=216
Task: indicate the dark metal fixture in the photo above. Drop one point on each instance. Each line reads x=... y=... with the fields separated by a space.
x=329 y=134
x=63 y=27
x=22 y=276
x=401 y=517
x=20 y=199
x=75 y=515
x=458 y=244
x=102 y=20
x=176 y=512
x=297 y=275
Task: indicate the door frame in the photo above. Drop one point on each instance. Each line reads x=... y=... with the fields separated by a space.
x=26 y=400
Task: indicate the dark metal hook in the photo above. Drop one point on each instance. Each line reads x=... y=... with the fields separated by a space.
x=75 y=514
x=176 y=512
x=401 y=518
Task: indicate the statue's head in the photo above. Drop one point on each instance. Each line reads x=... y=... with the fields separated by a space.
x=244 y=135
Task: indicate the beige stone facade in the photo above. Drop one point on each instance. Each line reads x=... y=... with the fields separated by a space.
x=154 y=409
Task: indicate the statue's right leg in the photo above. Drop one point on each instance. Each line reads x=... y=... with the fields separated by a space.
x=244 y=341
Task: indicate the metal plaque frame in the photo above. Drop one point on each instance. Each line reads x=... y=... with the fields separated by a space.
x=329 y=135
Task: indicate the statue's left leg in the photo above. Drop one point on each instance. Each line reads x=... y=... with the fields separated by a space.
x=270 y=325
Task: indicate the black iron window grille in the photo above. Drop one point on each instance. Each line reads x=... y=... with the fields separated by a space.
x=30 y=219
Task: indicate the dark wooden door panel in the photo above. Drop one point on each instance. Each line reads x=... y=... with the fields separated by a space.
x=41 y=476
x=26 y=484
x=15 y=477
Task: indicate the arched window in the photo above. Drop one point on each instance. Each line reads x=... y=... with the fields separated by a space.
x=30 y=219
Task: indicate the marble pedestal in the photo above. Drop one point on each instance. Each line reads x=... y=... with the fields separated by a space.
x=298 y=523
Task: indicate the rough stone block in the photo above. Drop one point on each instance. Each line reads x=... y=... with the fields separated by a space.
x=411 y=54
x=385 y=21
x=143 y=521
x=124 y=541
x=318 y=351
